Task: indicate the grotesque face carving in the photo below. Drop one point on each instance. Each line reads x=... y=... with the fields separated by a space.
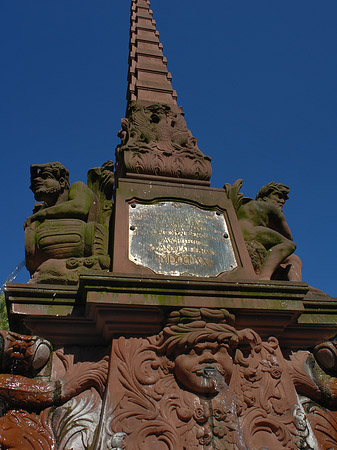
x=191 y=367
x=23 y=355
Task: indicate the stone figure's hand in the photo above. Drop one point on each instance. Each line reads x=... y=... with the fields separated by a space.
x=28 y=222
x=40 y=215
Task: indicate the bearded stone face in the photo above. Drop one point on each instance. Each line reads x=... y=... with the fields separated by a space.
x=46 y=187
x=191 y=367
x=278 y=199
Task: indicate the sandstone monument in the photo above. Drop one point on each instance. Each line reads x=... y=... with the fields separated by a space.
x=161 y=313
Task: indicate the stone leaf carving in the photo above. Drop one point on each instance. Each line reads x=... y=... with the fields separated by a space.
x=67 y=235
x=314 y=377
x=156 y=141
x=323 y=423
x=74 y=424
x=201 y=383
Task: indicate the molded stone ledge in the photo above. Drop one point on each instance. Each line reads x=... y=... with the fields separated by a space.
x=108 y=306
x=202 y=287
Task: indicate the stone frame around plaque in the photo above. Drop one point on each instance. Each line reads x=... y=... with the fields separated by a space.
x=150 y=192
x=180 y=239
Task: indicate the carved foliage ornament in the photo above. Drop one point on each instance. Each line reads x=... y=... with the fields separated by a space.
x=156 y=141
x=198 y=384
x=201 y=384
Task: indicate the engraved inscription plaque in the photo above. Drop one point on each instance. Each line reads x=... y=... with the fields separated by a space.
x=174 y=238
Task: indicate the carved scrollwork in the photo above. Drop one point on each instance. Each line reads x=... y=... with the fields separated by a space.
x=74 y=424
x=156 y=141
x=323 y=423
x=164 y=397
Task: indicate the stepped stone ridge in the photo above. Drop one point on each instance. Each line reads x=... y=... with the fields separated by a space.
x=149 y=81
x=155 y=138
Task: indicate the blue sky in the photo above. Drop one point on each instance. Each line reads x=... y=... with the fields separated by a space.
x=256 y=79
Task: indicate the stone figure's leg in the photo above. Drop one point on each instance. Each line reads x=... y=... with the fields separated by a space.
x=278 y=249
x=294 y=266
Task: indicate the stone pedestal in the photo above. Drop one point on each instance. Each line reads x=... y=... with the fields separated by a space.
x=129 y=320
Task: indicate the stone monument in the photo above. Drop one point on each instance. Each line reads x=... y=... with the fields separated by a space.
x=162 y=313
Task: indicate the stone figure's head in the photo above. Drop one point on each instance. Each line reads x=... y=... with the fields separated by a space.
x=201 y=344
x=21 y=354
x=48 y=181
x=276 y=193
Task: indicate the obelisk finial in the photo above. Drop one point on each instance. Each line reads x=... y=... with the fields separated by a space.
x=148 y=80
x=155 y=139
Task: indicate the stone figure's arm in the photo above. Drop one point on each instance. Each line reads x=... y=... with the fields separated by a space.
x=20 y=391
x=77 y=206
x=278 y=223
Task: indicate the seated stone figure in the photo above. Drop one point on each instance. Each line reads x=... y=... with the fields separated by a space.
x=65 y=236
x=266 y=232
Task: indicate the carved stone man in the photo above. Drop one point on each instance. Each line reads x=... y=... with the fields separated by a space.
x=63 y=237
x=50 y=185
x=267 y=234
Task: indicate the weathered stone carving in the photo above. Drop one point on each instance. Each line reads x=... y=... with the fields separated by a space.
x=44 y=424
x=266 y=232
x=326 y=356
x=156 y=141
x=68 y=232
x=311 y=374
x=21 y=354
x=201 y=383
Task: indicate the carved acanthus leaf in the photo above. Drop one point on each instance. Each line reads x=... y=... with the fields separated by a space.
x=156 y=141
x=74 y=424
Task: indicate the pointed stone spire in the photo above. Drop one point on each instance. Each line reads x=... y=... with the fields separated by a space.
x=148 y=80
x=155 y=139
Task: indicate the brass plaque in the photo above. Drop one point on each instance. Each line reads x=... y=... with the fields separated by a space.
x=174 y=238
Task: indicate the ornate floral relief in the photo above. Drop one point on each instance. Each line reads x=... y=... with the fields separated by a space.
x=202 y=384
x=74 y=424
x=300 y=365
x=318 y=390
x=323 y=423
x=199 y=384
x=156 y=141
x=137 y=412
